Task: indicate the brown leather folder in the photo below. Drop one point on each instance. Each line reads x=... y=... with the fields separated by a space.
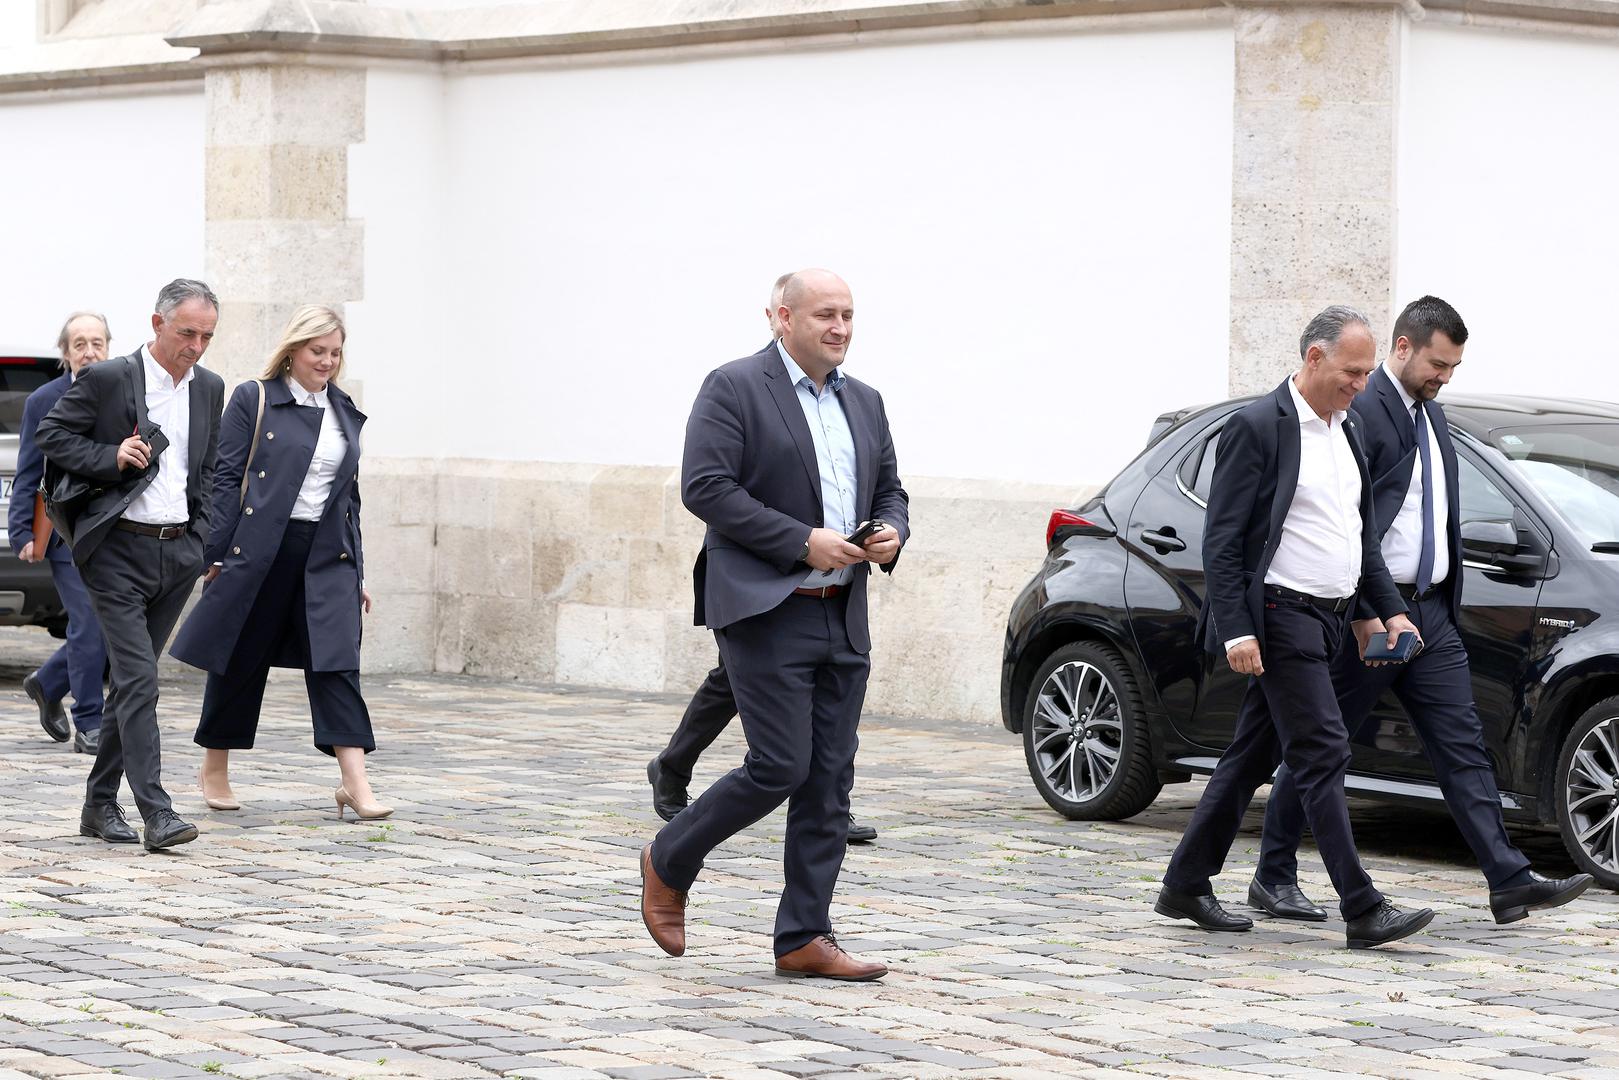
x=42 y=525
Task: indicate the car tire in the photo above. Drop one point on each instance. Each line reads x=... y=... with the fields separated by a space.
x=1587 y=799
x=1085 y=735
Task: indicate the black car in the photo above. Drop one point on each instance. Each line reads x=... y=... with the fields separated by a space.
x=1114 y=697
x=27 y=592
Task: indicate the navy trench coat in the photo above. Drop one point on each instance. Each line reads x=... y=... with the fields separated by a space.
x=247 y=534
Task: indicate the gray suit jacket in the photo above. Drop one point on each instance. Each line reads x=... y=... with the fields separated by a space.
x=82 y=432
x=750 y=473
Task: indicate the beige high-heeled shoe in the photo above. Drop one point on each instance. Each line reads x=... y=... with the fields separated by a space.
x=227 y=803
x=363 y=811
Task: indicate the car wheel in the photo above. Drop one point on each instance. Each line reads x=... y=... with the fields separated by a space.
x=1587 y=798
x=1085 y=735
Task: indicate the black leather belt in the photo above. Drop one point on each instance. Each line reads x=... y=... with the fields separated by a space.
x=1337 y=605
x=162 y=532
x=1409 y=591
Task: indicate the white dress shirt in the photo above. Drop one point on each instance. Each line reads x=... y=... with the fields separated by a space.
x=329 y=450
x=1319 y=552
x=169 y=407
x=1402 y=543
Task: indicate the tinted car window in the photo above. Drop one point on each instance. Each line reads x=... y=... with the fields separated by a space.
x=1480 y=499
x=19 y=378
x=1576 y=468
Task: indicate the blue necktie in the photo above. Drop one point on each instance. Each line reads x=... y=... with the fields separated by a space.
x=1425 y=560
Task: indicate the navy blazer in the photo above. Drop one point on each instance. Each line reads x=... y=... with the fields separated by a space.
x=31 y=466
x=247 y=534
x=1256 y=472
x=1390 y=439
x=750 y=472
x=82 y=432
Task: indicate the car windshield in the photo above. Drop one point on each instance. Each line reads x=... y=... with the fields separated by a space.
x=19 y=377
x=1575 y=467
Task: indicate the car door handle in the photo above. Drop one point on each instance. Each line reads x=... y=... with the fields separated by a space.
x=1164 y=540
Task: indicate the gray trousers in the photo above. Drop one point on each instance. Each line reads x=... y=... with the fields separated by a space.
x=138 y=585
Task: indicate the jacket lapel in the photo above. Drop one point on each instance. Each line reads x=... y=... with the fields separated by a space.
x=786 y=397
x=197 y=402
x=1394 y=405
x=136 y=380
x=1287 y=458
x=350 y=420
x=865 y=450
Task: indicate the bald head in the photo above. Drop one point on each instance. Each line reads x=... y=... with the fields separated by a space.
x=816 y=317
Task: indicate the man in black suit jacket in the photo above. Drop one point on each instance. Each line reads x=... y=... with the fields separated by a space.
x=1416 y=497
x=785 y=594
x=134 y=442
x=1289 y=546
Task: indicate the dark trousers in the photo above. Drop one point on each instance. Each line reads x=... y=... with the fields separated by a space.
x=710 y=710
x=138 y=585
x=80 y=663
x=1289 y=713
x=1436 y=691
x=799 y=686
x=277 y=628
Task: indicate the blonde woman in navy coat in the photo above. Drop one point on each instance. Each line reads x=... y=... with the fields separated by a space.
x=286 y=579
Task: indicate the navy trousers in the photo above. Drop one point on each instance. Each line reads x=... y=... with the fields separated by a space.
x=710 y=710
x=1289 y=713
x=277 y=628
x=80 y=663
x=799 y=687
x=1436 y=691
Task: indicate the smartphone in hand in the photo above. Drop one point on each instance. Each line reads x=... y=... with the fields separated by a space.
x=866 y=531
x=1405 y=647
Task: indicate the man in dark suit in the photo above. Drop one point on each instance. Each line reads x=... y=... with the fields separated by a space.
x=136 y=439
x=1416 y=498
x=80 y=663
x=1289 y=546
x=713 y=706
x=785 y=456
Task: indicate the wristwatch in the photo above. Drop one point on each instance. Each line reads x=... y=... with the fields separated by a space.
x=803 y=554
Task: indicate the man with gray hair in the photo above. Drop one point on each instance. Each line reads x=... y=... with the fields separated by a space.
x=132 y=446
x=78 y=664
x=1290 y=545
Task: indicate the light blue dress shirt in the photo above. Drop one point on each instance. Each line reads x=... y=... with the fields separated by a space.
x=834 y=454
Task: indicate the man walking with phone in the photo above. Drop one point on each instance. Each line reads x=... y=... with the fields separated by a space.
x=786 y=457
x=137 y=438
x=1416 y=494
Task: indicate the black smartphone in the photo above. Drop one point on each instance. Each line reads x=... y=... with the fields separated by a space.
x=1405 y=647
x=866 y=531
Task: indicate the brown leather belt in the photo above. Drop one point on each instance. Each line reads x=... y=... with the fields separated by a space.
x=162 y=532
x=825 y=592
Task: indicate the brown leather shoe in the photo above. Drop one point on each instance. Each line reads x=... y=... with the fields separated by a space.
x=824 y=958
x=662 y=909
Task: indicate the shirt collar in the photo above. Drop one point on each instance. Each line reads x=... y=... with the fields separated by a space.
x=1399 y=388
x=796 y=373
x=156 y=374
x=1306 y=412
x=302 y=396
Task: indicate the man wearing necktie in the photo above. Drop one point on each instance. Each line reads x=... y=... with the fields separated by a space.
x=1415 y=492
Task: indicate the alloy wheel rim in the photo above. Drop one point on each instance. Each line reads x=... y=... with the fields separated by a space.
x=1593 y=801
x=1078 y=732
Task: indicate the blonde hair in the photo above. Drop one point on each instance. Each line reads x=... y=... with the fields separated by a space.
x=307 y=323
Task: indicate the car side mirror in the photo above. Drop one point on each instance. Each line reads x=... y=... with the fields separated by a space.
x=1496 y=543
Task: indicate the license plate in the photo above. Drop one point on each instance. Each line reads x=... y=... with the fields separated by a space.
x=5 y=488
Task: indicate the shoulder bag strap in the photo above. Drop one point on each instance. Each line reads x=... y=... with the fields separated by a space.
x=253 y=447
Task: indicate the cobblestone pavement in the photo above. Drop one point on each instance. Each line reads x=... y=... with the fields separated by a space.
x=490 y=927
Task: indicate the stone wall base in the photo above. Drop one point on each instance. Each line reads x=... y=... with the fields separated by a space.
x=578 y=573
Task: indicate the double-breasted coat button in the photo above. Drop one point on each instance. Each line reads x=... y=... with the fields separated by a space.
x=235 y=551
x=261 y=474
x=344 y=555
x=269 y=434
x=248 y=511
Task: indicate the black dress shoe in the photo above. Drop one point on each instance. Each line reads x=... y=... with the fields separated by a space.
x=1510 y=905
x=52 y=717
x=165 y=829
x=106 y=821
x=668 y=794
x=87 y=742
x=1203 y=910
x=1284 y=902
x=861 y=834
x=1383 y=924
